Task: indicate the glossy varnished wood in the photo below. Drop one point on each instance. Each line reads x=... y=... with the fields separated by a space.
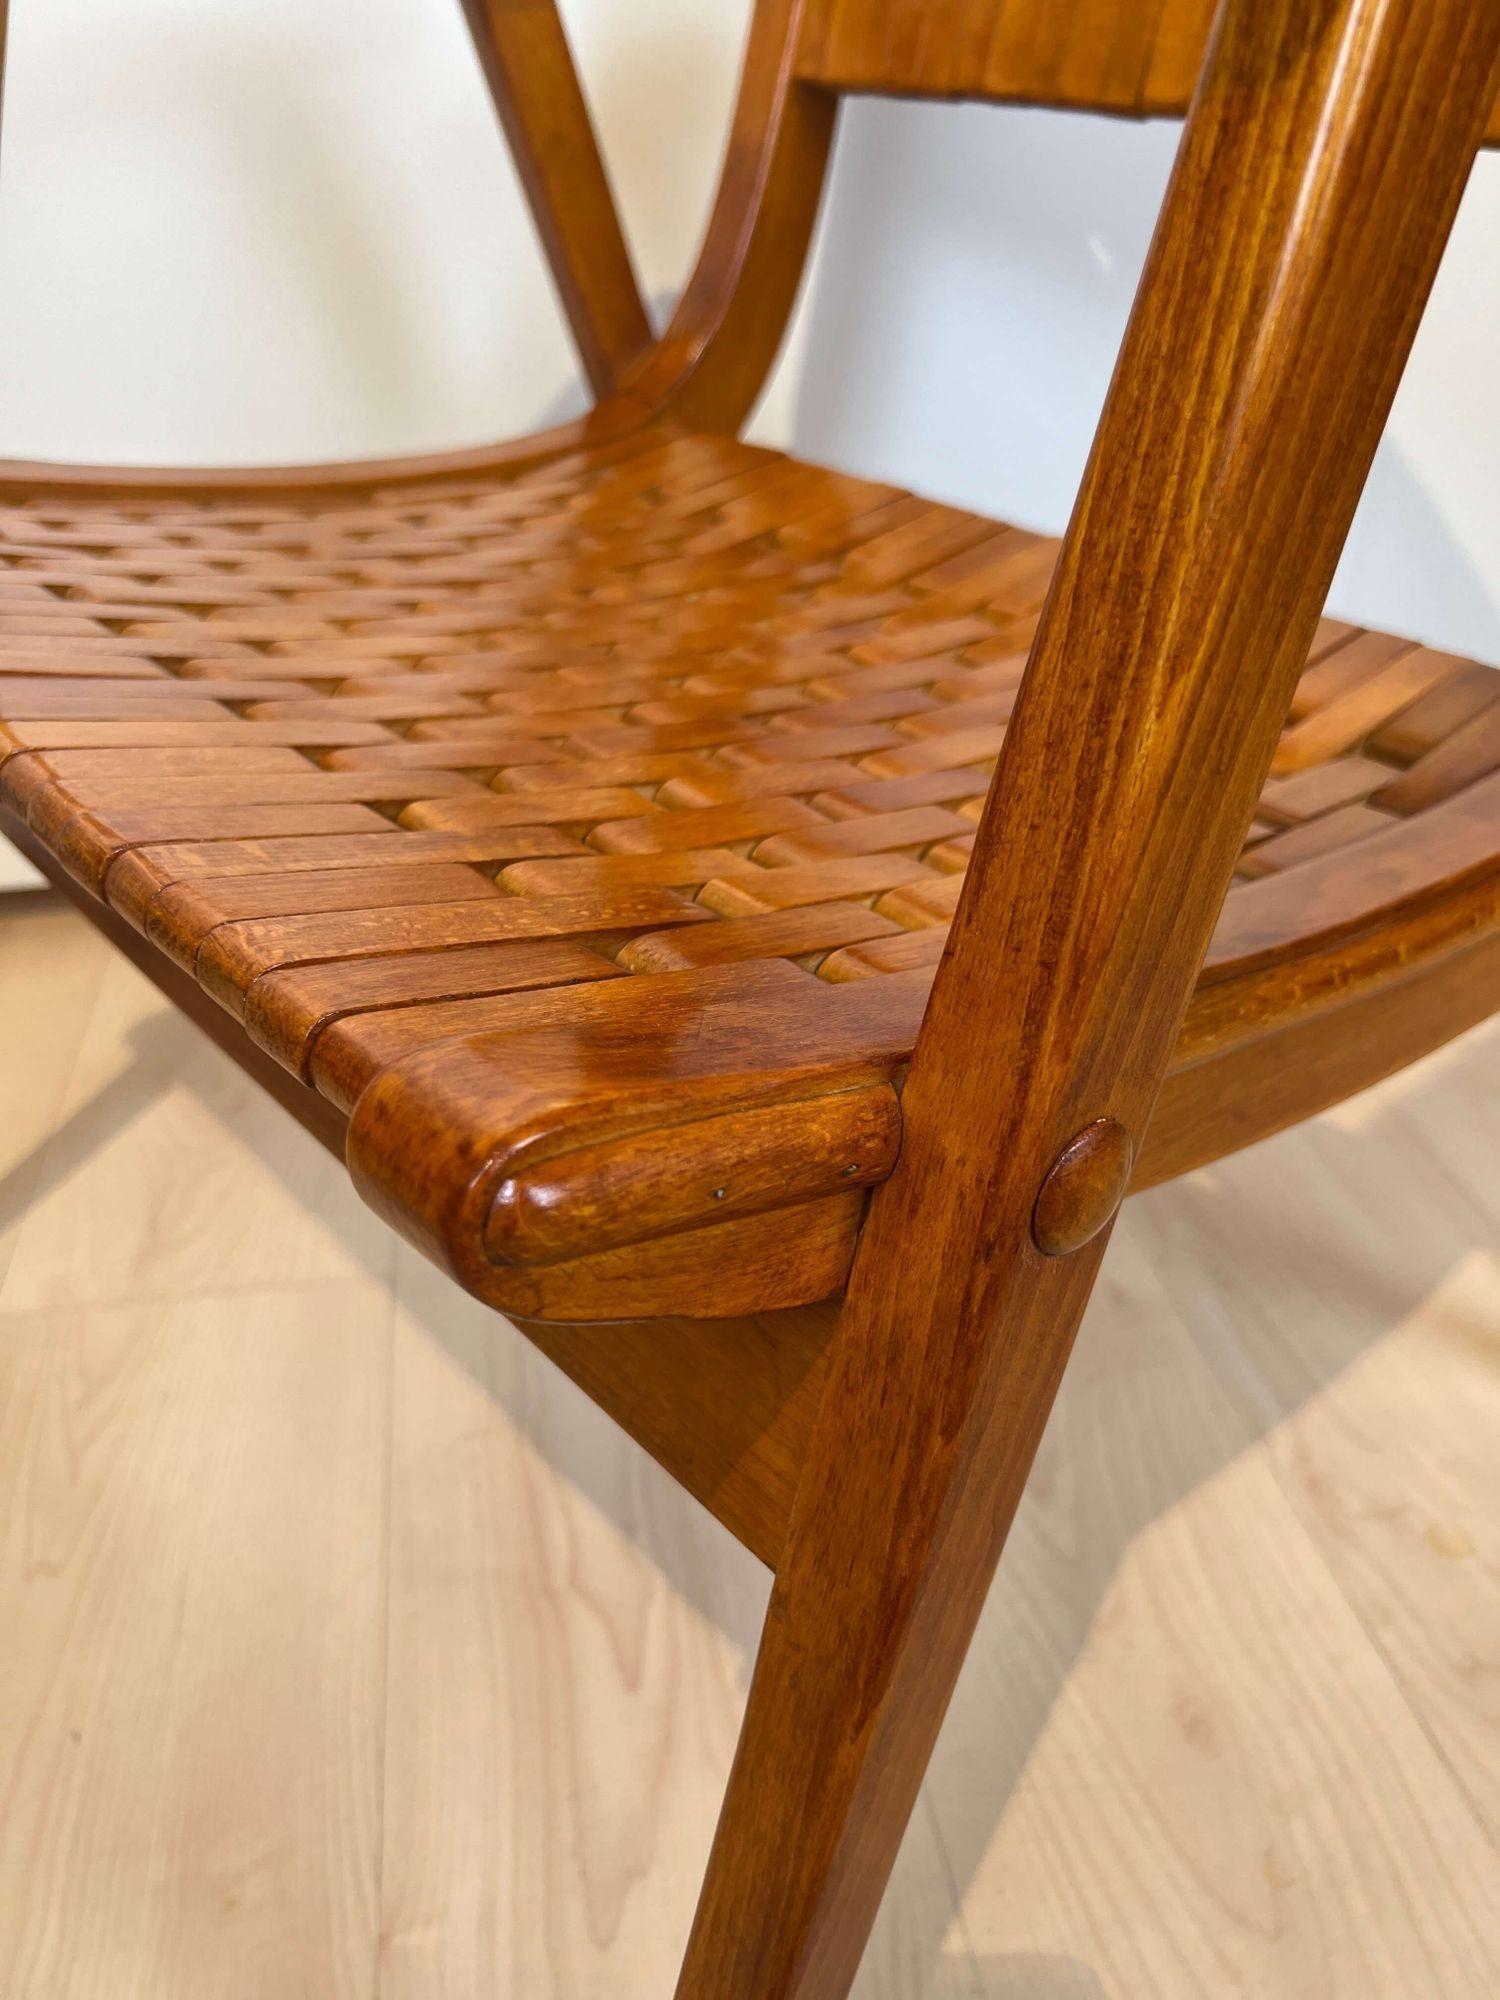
x=530 y=71
x=633 y=847
x=504 y=899
x=317 y=1116
x=1316 y=184
x=727 y=1406
x=717 y=351
x=1119 y=56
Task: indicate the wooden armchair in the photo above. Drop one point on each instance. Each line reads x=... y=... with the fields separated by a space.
x=753 y=926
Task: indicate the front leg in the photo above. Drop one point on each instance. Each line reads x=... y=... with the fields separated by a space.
x=926 y=1434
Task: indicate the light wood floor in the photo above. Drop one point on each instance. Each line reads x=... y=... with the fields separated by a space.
x=346 y=1651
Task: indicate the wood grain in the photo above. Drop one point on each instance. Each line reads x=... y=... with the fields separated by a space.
x=1155 y=1668
x=1162 y=672
x=1247 y=1533
x=523 y=51
x=196 y=1808
x=1132 y=58
x=49 y=1018
x=500 y=819
x=646 y=843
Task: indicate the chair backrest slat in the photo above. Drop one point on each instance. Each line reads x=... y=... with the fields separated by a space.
x=1136 y=58
x=529 y=68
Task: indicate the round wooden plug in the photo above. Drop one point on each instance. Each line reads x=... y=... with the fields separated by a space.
x=1084 y=1186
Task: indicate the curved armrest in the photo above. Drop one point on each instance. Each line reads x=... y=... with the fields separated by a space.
x=605 y=422
x=712 y=361
x=709 y=365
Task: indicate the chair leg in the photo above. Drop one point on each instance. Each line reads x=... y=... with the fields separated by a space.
x=807 y=1836
x=903 y=1510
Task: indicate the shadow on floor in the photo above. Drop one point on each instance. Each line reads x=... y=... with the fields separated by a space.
x=1359 y=1304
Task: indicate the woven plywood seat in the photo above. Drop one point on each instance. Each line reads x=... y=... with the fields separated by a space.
x=671 y=738
x=781 y=917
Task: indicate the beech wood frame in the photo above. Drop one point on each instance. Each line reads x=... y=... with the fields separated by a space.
x=874 y=1451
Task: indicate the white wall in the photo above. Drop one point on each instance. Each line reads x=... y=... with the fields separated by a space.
x=263 y=229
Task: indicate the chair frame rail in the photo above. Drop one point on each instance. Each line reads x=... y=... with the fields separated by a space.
x=1324 y=156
